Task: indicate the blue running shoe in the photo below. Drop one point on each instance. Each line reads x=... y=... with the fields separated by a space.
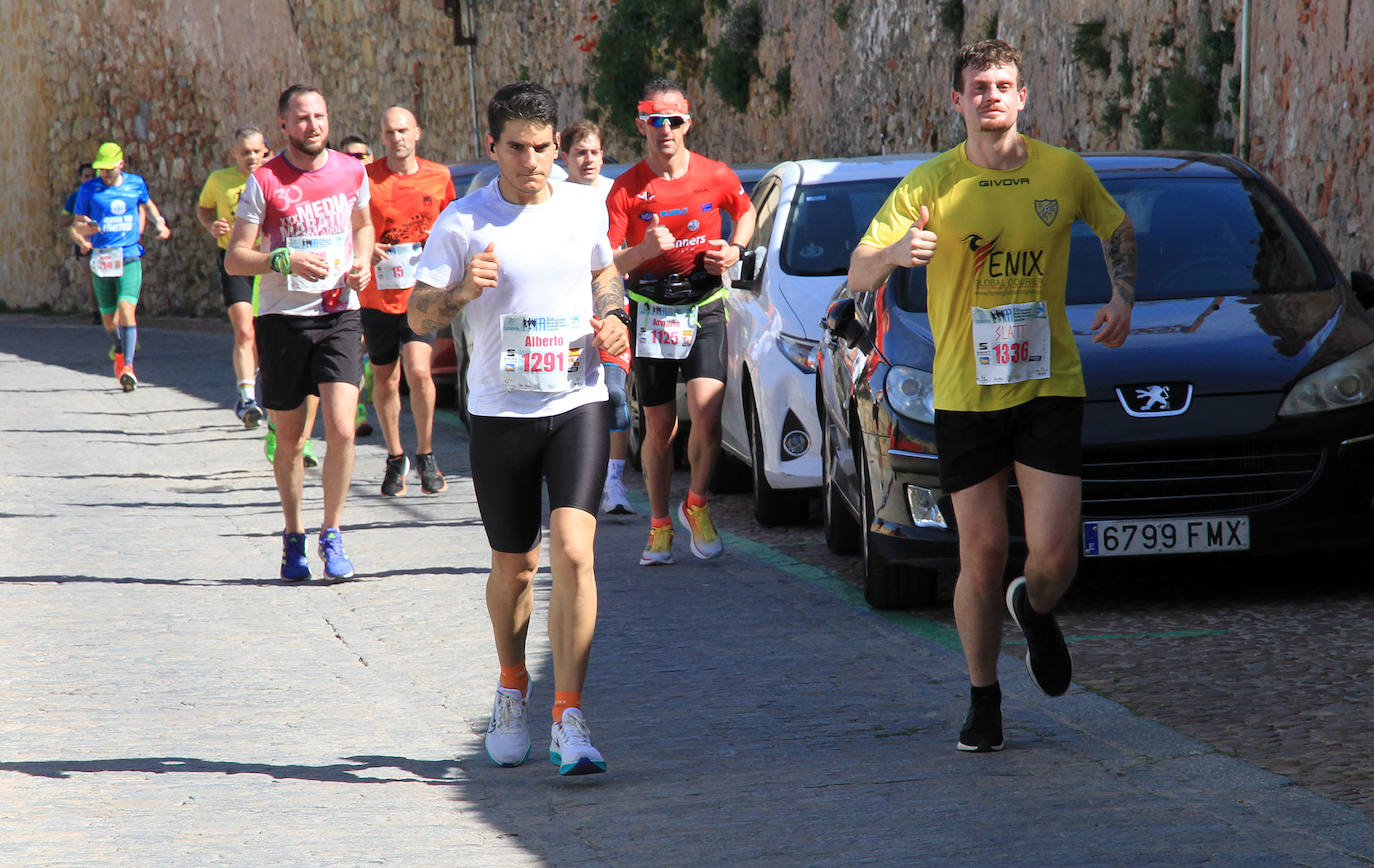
x=294 y=566
x=336 y=562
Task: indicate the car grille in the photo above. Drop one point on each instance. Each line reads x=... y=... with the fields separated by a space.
x=1197 y=480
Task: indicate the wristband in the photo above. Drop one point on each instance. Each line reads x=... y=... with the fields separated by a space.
x=280 y=260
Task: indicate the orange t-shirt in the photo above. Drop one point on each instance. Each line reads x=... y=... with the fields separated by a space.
x=404 y=208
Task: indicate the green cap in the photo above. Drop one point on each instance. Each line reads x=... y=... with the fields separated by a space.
x=108 y=157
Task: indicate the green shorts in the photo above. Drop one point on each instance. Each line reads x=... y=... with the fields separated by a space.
x=109 y=291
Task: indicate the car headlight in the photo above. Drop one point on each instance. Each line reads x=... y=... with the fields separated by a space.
x=798 y=351
x=1345 y=383
x=911 y=392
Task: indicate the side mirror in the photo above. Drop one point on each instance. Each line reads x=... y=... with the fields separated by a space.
x=841 y=322
x=1362 y=282
x=748 y=268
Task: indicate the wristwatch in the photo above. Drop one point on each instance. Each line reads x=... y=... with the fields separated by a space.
x=621 y=315
x=741 y=249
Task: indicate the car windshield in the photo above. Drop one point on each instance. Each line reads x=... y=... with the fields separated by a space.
x=1196 y=238
x=825 y=223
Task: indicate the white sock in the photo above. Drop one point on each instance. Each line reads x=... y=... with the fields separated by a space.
x=246 y=390
x=615 y=468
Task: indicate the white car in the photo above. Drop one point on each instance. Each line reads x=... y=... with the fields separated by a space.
x=811 y=213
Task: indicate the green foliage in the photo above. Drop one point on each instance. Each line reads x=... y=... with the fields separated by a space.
x=952 y=17
x=522 y=73
x=734 y=60
x=840 y=15
x=990 y=27
x=1089 y=48
x=1166 y=38
x=641 y=40
x=782 y=89
x=1149 y=121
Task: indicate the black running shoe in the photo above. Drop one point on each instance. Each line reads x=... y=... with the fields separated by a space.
x=394 y=482
x=1047 y=657
x=431 y=480
x=982 y=732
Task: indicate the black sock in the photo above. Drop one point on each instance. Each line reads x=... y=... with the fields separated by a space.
x=993 y=690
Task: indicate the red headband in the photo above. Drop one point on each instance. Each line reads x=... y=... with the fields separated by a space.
x=664 y=104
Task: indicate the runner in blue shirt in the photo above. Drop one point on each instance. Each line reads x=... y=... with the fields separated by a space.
x=109 y=216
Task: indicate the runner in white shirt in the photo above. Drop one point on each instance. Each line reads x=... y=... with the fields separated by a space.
x=515 y=257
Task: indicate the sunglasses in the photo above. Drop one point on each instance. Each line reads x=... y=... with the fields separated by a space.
x=658 y=121
x=358 y=155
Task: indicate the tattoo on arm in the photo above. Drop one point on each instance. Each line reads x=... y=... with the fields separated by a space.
x=432 y=308
x=607 y=292
x=1120 y=253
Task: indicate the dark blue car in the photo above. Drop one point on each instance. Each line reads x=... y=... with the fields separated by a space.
x=1237 y=418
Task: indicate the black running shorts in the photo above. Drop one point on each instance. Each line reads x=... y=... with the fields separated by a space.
x=297 y=353
x=386 y=333
x=1045 y=433
x=511 y=456
x=234 y=287
x=656 y=379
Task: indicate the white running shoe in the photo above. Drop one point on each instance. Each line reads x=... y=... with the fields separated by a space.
x=615 y=500
x=570 y=746
x=508 y=739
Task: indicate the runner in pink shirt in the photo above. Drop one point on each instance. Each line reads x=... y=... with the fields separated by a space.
x=310 y=205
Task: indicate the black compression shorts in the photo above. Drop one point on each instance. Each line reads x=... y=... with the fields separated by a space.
x=511 y=456
x=234 y=287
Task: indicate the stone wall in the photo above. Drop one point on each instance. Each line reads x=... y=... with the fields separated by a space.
x=171 y=81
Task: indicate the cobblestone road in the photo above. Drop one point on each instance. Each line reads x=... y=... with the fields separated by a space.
x=1271 y=661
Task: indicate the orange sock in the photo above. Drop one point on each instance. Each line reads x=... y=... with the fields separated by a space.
x=563 y=700
x=694 y=499
x=666 y=521
x=515 y=678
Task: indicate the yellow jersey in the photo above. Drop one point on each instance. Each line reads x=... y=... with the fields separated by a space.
x=1002 y=255
x=221 y=192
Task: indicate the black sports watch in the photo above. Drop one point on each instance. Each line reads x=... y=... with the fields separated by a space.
x=621 y=315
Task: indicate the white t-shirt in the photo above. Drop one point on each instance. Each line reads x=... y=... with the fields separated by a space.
x=547 y=254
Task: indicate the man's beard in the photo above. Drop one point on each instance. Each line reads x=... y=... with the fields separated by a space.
x=309 y=150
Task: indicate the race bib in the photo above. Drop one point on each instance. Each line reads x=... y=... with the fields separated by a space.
x=665 y=331
x=542 y=353
x=1011 y=343
x=397 y=271
x=107 y=261
x=333 y=249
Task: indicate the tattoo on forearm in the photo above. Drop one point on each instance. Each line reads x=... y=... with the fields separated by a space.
x=607 y=293
x=432 y=308
x=1120 y=253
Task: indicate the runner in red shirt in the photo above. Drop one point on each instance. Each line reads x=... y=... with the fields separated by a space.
x=666 y=211
x=407 y=194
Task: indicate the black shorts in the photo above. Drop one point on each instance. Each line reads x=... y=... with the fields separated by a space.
x=234 y=287
x=386 y=332
x=1045 y=433
x=297 y=353
x=656 y=379
x=509 y=457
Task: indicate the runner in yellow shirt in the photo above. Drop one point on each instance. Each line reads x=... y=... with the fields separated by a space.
x=990 y=223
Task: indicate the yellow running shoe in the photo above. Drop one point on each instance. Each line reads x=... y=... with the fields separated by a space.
x=660 y=547
x=705 y=541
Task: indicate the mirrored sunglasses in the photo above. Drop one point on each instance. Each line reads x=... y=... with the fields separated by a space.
x=658 y=121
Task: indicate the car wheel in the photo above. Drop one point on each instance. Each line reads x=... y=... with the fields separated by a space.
x=636 y=413
x=886 y=585
x=771 y=507
x=841 y=530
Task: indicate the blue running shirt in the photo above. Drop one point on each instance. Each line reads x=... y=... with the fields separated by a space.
x=116 y=210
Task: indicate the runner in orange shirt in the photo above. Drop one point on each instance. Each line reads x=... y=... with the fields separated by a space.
x=407 y=194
